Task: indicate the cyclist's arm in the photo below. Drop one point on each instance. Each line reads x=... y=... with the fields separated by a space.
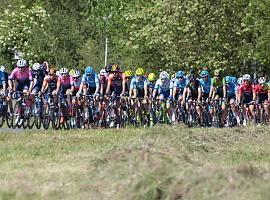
x=184 y=94
x=199 y=93
x=268 y=95
x=145 y=89
x=224 y=91
x=58 y=86
x=123 y=84
x=44 y=85
x=108 y=85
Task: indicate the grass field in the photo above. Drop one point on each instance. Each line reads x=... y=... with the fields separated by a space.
x=156 y=163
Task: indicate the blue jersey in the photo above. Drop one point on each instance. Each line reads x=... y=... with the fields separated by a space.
x=180 y=86
x=231 y=88
x=91 y=81
x=138 y=83
x=205 y=86
x=150 y=85
x=2 y=78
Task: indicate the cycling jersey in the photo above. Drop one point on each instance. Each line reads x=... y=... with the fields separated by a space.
x=164 y=88
x=180 y=85
x=116 y=83
x=77 y=83
x=262 y=92
x=38 y=77
x=205 y=85
x=246 y=92
x=90 y=81
x=65 y=83
x=138 y=83
x=193 y=90
x=103 y=80
x=218 y=84
x=52 y=83
x=22 y=77
x=2 y=78
x=230 y=88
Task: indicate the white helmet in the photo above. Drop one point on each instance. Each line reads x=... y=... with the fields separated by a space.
x=36 y=66
x=164 y=75
x=247 y=77
x=240 y=81
x=2 y=68
x=57 y=73
x=76 y=73
x=103 y=72
x=21 y=63
x=63 y=71
x=261 y=80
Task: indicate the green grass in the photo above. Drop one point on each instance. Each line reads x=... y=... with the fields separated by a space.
x=157 y=163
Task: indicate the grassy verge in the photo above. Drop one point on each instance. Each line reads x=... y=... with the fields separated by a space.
x=157 y=163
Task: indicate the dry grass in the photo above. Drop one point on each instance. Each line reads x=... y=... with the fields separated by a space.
x=157 y=163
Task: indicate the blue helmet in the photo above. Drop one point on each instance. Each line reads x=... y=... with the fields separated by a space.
x=180 y=74
x=234 y=79
x=88 y=70
x=204 y=74
x=228 y=79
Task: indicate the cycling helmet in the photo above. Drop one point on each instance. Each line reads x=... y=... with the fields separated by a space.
x=89 y=71
x=52 y=71
x=139 y=72
x=108 y=68
x=163 y=75
x=234 y=79
x=191 y=78
x=151 y=77
x=21 y=63
x=180 y=74
x=76 y=73
x=2 y=68
x=204 y=74
x=115 y=68
x=262 y=80
x=217 y=72
x=102 y=72
x=128 y=73
x=246 y=77
x=228 y=79
x=173 y=77
x=36 y=66
x=63 y=71
x=71 y=72
x=240 y=81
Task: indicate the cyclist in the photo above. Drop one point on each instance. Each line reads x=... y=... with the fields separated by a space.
x=151 y=83
x=38 y=75
x=217 y=91
x=3 y=69
x=179 y=85
x=3 y=80
x=230 y=96
x=191 y=92
x=20 y=78
x=246 y=96
x=138 y=89
x=90 y=82
x=103 y=79
x=262 y=94
x=116 y=87
x=164 y=90
x=129 y=76
x=65 y=86
x=49 y=84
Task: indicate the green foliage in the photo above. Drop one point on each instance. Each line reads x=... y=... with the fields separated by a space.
x=158 y=34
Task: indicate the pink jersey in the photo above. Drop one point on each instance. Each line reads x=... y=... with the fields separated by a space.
x=66 y=82
x=21 y=76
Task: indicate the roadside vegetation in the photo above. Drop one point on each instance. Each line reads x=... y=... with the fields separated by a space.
x=156 y=163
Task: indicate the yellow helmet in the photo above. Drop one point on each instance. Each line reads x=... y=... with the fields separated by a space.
x=151 y=77
x=140 y=72
x=128 y=73
x=71 y=72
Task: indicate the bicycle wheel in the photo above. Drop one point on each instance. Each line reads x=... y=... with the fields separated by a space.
x=46 y=117
x=30 y=116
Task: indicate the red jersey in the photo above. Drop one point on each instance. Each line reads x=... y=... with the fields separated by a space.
x=261 y=89
x=116 y=81
x=246 y=90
